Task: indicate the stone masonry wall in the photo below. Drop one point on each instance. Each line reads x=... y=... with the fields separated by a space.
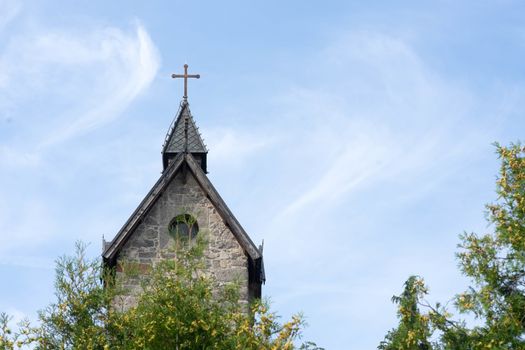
x=150 y=242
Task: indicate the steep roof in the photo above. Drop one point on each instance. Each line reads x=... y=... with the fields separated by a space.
x=175 y=139
x=112 y=249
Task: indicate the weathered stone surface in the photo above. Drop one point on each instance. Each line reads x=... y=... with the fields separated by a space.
x=225 y=259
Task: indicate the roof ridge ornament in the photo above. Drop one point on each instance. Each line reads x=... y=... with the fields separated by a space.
x=185 y=76
x=186 y=134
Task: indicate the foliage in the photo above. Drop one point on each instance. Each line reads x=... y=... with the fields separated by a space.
x=82 y=308
x=495 y=262
x=414 y=328
x=179 y=308
x=10 y=340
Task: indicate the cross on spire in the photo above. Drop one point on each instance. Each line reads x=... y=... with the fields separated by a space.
x=185 y=76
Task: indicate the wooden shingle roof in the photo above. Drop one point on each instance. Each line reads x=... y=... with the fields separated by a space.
x=175 y=139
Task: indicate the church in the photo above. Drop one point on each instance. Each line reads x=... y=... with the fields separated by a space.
x=183 y=200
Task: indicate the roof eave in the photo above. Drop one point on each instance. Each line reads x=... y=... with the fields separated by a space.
x=135 y=218
x=223 y=210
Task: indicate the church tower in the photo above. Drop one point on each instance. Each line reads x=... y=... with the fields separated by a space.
x=183 y=194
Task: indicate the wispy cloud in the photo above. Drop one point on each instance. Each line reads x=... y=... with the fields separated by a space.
x=57 y=84
x=374 y=149
x=363 y=141
x=232 y=146
x=10 y=158
x=9 y=9
x=88 y=77
x=132 y=64
x=364 y=153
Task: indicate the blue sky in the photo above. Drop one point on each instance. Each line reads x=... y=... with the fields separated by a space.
x=353 y=137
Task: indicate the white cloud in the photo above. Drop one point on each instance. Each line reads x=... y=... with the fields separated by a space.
x=86 y=76
x=132 y=65
x=386 y=116
x=10 y=158
x=383 y=132
x=364 y=153
x=9 y=9
x=232 y=146
x=56 y=84
x=376 y=146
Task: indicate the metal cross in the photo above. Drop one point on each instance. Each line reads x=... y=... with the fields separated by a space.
x=185 y=76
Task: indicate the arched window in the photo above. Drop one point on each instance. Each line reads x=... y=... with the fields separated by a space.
x=183 y=226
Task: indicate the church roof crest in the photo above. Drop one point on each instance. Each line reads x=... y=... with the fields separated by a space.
x=175 y=141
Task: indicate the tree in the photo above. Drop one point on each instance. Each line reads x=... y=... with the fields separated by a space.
x=495 y=263
x=414 y=328
x=179 y=308
x=82 y=309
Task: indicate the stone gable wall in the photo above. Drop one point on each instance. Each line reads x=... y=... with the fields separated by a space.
x=150 y=242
